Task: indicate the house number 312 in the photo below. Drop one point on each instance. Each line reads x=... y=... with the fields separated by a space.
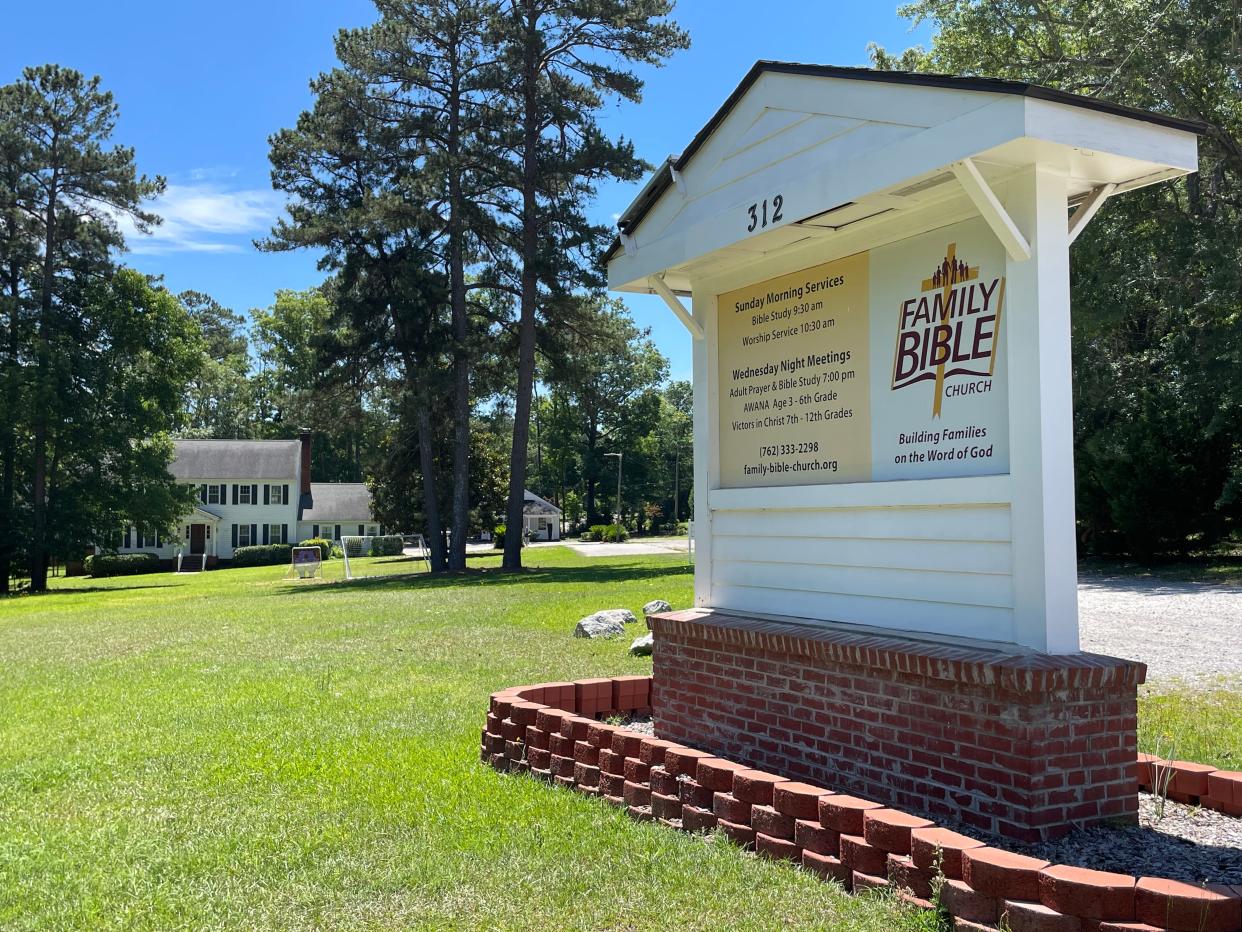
x=763 y=214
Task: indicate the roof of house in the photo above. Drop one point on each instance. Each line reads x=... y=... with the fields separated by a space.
x=196 y=460
x=337 y=501
x=535 y=505
x=662 y=179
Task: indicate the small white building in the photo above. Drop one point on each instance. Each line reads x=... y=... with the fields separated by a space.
x=540 y=518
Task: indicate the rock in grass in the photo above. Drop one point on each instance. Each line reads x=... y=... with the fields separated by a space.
x=609 y=623
x=642 y=646
x=655 y=606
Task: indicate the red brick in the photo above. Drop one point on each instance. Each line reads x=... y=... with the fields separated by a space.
x=693 y=794
x=1189 y=779
x=651 y=751
x=586 y=789
x=586 y=774
x=728 y=807
x=889 y=829
x=827 y=867
x=717 y=773
x=525 y=713
x=814 y=837
x=610 y=762
x=682 y=761
x=575 y=726
x=1225 y=786
x=550 y=720
x=512 y=731
x=903 y=875
x=1021 y=916
x=768 y=821
x=1147 y=764
x=636 y=771
x=563 y=766
x=665 y=807
x=742 y=835
x=599 y=734
x=844 y=814
x=515 y=750
x=539 y=758
x=1089 y=894
x=1127 y=927
x=502 y=702
x=1184 y=907
x=964 y=902
x=585 y=753
x=639 y=813
x=927 y=843
x=1001 y=874
x=626 y=743
x=755 y=786
x=860 y=856
x=694 y=819
x=965 y=925
x=776 y=848
x=637 y=794
x=800 y=800
x=536 y=737
x=663 y=782
x=613 y=784
x=863 y=882
x=561 y=745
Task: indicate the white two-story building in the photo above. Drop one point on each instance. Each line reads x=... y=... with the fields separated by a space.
x=253 y=492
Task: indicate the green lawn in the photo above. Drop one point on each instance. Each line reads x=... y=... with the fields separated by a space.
x=238 y=750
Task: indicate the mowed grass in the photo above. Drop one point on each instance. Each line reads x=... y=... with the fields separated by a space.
x=1202 y=724
x=235 y=750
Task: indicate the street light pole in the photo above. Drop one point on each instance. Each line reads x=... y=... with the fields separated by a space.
x=620 y=458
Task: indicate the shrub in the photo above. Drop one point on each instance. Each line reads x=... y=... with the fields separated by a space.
x=498 y=537
x=121 y=564
x=585 y=536
x=324 y=545
x=387 y=545
x=262 y=555
x=615 y=533
x=597 y=531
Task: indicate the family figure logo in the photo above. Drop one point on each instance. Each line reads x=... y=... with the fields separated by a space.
x=950 y=328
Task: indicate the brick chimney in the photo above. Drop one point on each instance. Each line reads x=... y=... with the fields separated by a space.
x=306 y=461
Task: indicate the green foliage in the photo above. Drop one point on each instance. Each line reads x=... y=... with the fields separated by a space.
x=1157 y=277
x=498 y=537
x=100 y=565
x=388 y=545
x=324 y=545
x=262 y=555
x=609 y=533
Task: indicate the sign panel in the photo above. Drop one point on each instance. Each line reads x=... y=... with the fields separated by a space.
x=889 y=364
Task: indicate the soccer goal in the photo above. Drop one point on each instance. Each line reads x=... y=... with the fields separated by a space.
x=355 y=546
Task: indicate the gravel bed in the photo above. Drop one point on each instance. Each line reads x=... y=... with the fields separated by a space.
x=1188 y=843
x=1183 y=631
x=639 y=723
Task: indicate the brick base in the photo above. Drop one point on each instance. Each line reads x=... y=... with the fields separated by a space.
x=1019 y=746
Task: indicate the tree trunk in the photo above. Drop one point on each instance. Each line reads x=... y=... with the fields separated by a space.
x=431 y=502
x=461 y=358
x=8 y=442
x=38 y=484
x=529 y=296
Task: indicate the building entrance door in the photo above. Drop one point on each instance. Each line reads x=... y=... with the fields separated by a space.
x=198 y=538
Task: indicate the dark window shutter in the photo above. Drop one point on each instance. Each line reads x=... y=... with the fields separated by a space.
x=284 y=533
x=234 y=493
x=285 y=494
x=234 y=536
x=254 y=533
x=202 y=494
x=127 y=538
x=254 y=494
x=265 y=532
x=267 y=494
x=224 y=494
x=362 y=530
x=338 y=532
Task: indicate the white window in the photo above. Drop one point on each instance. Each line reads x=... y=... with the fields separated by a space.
x=213 y=495
x=150 y=539
x=275 y=535
x=372 y=530
x=243 y=495
x=243 y=535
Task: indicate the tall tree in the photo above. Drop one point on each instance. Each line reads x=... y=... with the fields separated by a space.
x=70 y=191
x=221 y=401
x=423 y=66
x=562 y=60
x=1157 y=277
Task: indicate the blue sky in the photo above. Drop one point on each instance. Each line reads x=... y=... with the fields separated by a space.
x=202 y=86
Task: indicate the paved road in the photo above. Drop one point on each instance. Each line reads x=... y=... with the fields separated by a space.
x=629 y=548
x=1181 y=630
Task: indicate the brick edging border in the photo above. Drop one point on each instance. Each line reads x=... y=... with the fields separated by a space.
x=552 y=732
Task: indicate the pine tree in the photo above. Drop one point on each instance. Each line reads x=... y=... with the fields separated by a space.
x=562 y=59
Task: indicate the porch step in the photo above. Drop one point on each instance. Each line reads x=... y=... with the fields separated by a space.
x=193 y=563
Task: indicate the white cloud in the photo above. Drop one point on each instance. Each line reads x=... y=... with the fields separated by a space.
x=205 y=218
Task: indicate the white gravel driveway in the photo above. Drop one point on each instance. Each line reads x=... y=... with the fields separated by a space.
x=1181 y=630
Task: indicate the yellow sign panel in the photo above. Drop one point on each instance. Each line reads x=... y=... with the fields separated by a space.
x=794 y=371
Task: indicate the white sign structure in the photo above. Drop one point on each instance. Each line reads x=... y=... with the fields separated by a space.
x=305 y=562
x=879 y=270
